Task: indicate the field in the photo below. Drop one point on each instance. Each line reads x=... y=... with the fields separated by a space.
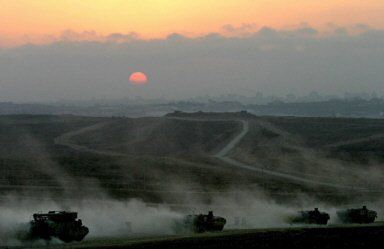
x=236 y=164
x=132 y=157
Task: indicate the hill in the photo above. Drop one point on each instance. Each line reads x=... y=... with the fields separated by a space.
x=149 y=158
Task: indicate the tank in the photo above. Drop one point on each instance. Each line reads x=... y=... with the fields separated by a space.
x=204 y=223
x=358 y=215
x=59 y=224
x=310 y=217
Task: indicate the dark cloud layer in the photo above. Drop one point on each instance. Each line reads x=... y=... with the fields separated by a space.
x=271 y=61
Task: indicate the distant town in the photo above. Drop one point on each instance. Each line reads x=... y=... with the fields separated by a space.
x=361 y=105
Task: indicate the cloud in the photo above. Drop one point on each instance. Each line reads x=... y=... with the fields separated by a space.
x=118 y=37
x=84 y=65
x=361 y=27
x=5 y=41
x=307 y=31
x=74 y=36
x=242 y=30
x=71 y=35
x=175 y=37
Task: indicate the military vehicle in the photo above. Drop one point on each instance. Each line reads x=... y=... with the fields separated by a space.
x=203 y=223
x=358 y=215
x=310 y=217
x=59 y=224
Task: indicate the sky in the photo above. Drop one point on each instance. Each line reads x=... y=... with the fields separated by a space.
x=76 y=50
x=39 y=21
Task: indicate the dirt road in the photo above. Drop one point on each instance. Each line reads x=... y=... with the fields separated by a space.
x=65 y=140
x=223 y=156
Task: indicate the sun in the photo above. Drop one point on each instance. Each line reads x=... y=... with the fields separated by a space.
x=138 y=78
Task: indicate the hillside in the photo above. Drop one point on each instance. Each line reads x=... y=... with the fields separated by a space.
x=149 y=158
x=159 y=136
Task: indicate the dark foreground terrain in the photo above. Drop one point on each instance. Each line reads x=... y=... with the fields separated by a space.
x=148 y=158
x=356 y=236
x=147 y=171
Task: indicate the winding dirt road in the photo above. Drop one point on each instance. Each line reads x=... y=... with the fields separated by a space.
x=65 y=140
x=223 y=156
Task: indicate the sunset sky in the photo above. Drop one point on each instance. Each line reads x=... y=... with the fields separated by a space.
x=85 y=49
x=43 y=20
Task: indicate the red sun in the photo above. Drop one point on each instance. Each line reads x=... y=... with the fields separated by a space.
x=138 y=78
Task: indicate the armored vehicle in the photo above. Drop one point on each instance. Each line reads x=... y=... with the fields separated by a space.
x=311 y=217
x=60 y=224
x=204 y=223
x=358 y=215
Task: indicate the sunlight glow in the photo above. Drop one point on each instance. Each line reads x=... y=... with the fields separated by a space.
x=30 y=20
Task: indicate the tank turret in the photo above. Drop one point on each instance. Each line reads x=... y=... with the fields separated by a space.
x=59 y=224
x=310 y=217
x=357 y=215
x=203 y=223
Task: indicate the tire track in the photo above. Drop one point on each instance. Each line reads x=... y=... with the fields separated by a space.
x=65 y=140
x=223 y=156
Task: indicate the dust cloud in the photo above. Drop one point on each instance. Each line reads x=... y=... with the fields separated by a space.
x=103 y=217
x=109 y=218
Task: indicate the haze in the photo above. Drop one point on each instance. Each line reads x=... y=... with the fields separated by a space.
x=71 y=50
